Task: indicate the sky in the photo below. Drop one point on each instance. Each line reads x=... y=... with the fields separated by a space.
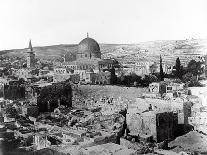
x=51 y=22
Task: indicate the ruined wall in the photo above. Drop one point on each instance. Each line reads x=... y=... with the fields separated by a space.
x=14 y=91
x=49 y=97
x=164 y=124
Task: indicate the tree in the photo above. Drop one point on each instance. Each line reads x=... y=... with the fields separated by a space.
x=161 y=70
x=195 y=68
x=149 y=79
x=187 y=77
x=113 y=76
x=135 y=78
x=192 y=67
x=21 y=81
x=178 y=68
x=153 y=68
x=200 y=68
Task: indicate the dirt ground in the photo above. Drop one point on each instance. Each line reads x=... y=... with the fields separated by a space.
x=97 y=91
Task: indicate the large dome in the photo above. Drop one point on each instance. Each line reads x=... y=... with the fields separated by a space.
x=88 y=47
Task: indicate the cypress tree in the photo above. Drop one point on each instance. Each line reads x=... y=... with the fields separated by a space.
x=178 y=68
x=161 y=70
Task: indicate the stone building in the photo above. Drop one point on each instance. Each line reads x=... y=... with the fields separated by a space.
x=165 y=87
x=26 y=73
x=63 y=74
x=88 y=57
x=142 y=68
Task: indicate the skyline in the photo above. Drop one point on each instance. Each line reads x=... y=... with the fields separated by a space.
x=52 y=22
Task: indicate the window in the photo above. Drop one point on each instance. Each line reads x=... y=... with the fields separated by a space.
x=169 y=88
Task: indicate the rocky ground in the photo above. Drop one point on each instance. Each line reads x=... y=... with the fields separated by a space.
x=190 y=142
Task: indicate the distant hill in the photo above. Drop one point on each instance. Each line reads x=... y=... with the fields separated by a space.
x=169 y=49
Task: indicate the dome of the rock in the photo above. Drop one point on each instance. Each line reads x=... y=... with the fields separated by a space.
x=88 y=48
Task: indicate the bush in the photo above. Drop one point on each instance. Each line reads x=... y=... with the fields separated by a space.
x=187 y=77
x=149 y=79
x=127 y=80
x=194 y=83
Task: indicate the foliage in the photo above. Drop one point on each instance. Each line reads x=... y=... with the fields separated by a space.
x=21 y=81
x=135 y=80
x=153 y=68
x=177 y=81
x=195 y=67
x=194 y=83
x=127 y=80
x=179 y=70
x=149 y=79
x=113 y=76
x=187 y=77
x=12 y=111
x=191 y=81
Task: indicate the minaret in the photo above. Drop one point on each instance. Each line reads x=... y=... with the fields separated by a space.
x=30 y=56
x=87 y=35
x=30 y=45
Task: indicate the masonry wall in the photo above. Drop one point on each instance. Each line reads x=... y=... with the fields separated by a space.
x=165 y=126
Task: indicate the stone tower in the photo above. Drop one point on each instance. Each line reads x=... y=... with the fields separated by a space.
x=30 y=56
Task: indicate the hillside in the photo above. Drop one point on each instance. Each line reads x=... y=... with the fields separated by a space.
x=169 y=49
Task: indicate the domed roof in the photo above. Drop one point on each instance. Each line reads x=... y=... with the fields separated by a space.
x=88 y=45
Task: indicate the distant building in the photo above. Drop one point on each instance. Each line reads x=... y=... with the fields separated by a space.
x=142 y=68
x=166 y=87
x=63 y=74
x=26 y=73
x=88 y=58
